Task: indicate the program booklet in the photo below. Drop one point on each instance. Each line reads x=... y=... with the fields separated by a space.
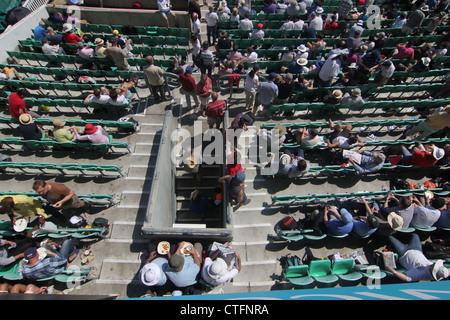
x=349 y=154
x=389 y=259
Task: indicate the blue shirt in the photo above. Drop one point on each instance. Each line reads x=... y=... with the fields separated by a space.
x=46 y=267
x=187 y=276
x=267 y=92
x=39 y=33
x=361 y=228
x=338 y=227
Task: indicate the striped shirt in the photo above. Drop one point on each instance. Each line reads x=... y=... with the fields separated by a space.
x=215 y=109
x=46 y=267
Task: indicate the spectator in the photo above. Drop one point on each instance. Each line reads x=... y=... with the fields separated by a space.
x=219 y=267
x=59 y=196
x=342 y=137
x=17 y=105
x=341 y=225
x=155 y=78
x=365 y=223
x=85 y=51
x=214 y=111
x=308 y=137
x=417 y=266
x=281 y=7
x=54 y=38
x=298 y=23
x=387 y=69
x=297 y=165
x=298 y=66
x=165 y=8
x=303 y=52
x=355 y=41
x=243 y=9
x=434 y=23
x=433 y=123
x=251 y=56
x=69 y=36
x=188 y=87
x=285 y=87
x=98 y=96
x=40 y=31
x=380 y=40
x=223 y=43
x=250 y=85
x=258 y=33
x=196 y=27
x=367 y=65
x=236 y=188
x=426 y=216
x=401 y=206
x=203 y=90
x=11 y=252
x=211 y=25
x=370 y=162
x=235 y=15
x=152 y=273
x=316 y=22
x=404 y=51
x=199 y=204
x=92 y=134
x=223 y=16
x=246 y=23
x=344 y=8
x=22 y=205
x=29 y=129
x=293 y=9
x=118 y=55
x=331 y=24
x=358 y=26
x=331 y=68
x=194 y=7
x=422 y=157
x=206 y=59
x=265 y=93
x=414 y=20
x=353 y=98
x=60 y=133
x=182 y=269
x=288 y=25
x=53 y=264
x=400 y=21
x=53 y=49
x=235 y=56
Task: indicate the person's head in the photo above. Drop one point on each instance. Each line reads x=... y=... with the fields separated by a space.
x=31 y=254
x=437 y=203
x=404 y=202
x=42 y=24
x=239 y=177
x=372 y=222
x=379 y=157
x=113 y=94
x=176 y=263
x=272 y=76
x=288 y=78
x=205 y=45
x=25 y=119
x=97 y=92
x=50 y=31
x=302 y=165
x=40 y=186
x=249 y=50
x=214 y=96
x=224 y=34
x=357 y=33
x=6 y=205
x=149 y=60
x=352 y=139
x=217 y=269
x=23 y=93
x=114 y=42
x=210 y=8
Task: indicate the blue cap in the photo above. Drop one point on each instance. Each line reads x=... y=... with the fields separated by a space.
x=272 y=75
x=239 y=177
x=189 y=69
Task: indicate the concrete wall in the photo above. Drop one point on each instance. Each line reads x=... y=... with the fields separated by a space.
x=146 y=4
x=20 y=31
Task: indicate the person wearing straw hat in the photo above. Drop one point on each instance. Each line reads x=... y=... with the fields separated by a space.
x=60 y=133
x=400 y=206
x=29 y=129
x=220 y=267
x=69 y=36
x=418 y=267
x=99 y=47
x=353 y=98
x=298 y=66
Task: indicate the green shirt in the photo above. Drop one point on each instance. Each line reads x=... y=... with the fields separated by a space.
x=62 y=135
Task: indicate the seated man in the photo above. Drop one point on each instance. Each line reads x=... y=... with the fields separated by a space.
x=422 y=156
x=308 y=137
x=298 y=166
x=99 y=96
x=342 y=138
x=370 y=162
x=183 y=269
x=426 y=216
x=341 y=225
x=418 y=267
x=402 y=207
x=53 y=264
x=219 y=267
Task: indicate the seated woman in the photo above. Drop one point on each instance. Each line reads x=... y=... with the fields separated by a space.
x=29 y=129
x=93 y=134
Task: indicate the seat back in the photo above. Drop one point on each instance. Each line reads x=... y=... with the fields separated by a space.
x=319 y=268
x=296 y=271
x=342 y=266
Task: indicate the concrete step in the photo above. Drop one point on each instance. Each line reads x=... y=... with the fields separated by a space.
x=252 y=232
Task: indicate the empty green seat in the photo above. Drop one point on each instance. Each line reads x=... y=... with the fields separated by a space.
x=299 y=276
x=344 y=269
x=320 y=271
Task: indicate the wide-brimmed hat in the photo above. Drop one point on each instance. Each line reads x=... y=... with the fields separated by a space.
x=217 y=269
x=89 y=128
x=176 y=262
x=25 y=119
x=99 y=42
x=302 y=61
x=439 y=271
x=67 y=27
x=285 y=159
x=438 y=153
x=150 y=274
x=302 y=48
x=424 y=7
x=353 y=65
x=395 y=221
x=356 y=92
x=426 y=61
x=337 y=93
x=319 y=9
x=58 y=123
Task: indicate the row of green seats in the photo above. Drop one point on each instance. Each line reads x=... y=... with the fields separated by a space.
x=13 y=143
x=64 y=169
x=95 y=199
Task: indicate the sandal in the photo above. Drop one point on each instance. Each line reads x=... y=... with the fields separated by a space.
x=73 y=256
x=93 y=274
x=85 y=259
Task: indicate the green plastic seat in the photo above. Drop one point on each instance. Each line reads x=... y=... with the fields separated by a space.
x=344 y=269
x=407 y=230
x=299 y=276
x=430 y=229
x=320 y=271
x=291 y=235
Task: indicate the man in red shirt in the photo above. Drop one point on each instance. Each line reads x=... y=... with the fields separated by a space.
x=214 y=111
x=17 y=104
x=70 y=37
x=188 y=86
x=404 y=51
x=423 y=158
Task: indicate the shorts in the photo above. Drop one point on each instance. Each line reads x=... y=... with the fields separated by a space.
x=165 y=12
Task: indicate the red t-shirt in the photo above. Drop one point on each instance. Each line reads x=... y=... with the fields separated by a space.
x=187 y=82
x=421 y=158
x=15 y=104
x=71 y=38
x=215 y=109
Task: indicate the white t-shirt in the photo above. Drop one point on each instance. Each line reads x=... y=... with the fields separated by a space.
x=196 y=27
x=417 y=264
x=251 y=84
x=211 y=19
x=102 y=99
x=121 y=100
x=252 y=57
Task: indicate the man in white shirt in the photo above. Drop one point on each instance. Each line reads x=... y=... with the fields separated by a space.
x=211 y=25
x=164 y=8
x=316 y=22
x=426 y=216
x=196 y=27
x=258 y=33
x=246 y=24
x=298 y=23
x=329 y=70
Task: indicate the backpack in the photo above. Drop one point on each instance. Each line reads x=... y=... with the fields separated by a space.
x=287 y=223
x=399 y=184
x=290 y=261
x=100 y=222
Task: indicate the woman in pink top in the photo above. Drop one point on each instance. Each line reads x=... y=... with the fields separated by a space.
x=94 y=134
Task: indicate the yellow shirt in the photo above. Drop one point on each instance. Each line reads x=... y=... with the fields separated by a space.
x=26 y=206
